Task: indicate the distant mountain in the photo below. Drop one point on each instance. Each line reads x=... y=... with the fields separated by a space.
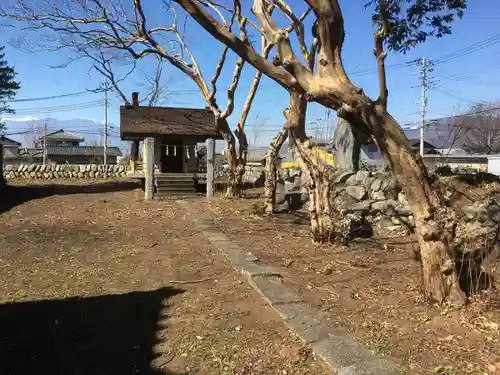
x=444 y=133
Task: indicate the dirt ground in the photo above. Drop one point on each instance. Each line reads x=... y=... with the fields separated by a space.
x=97 y=281
x=372 y=289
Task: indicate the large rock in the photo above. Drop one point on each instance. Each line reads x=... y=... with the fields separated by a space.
x=377 y=195
x=380 y=206
x=470 y=212
x=363 y=206
x=386 y=206
x=493 y=212
x=403 y=210
x=352 y=181
x=376 y=185
x=363 y=176
x=357 y=192
x=342 y=177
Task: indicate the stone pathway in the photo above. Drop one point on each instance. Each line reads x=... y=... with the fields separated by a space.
x=340 y=352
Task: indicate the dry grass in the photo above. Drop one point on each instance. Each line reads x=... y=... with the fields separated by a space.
x=96 y=281
x=371 y=288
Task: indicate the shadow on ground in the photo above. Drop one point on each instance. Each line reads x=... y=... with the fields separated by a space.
x=12 y=196
x=105 y=335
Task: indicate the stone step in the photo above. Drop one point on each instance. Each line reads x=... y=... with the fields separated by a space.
x=175 y=183
x=175 y=188
x=161 y=195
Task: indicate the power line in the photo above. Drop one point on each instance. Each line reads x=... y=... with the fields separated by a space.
x=458 y=77
x=58 y=106
x=453 y=116
x=66 y=108
x=87 y=92
x=393 y=66
x=478 y=46
x=451 y=93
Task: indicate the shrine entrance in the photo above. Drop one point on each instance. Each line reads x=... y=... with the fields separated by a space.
x=172 y=159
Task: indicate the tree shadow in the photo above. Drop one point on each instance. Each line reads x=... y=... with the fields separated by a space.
x=12 y=196
x=104 y=335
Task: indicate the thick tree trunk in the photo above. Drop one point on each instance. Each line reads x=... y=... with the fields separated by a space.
x=233 y=189
x=330 y=86
x=322 y=228
x=242 y=160
x=270 y=171
x=435 y=223
x=347 y=144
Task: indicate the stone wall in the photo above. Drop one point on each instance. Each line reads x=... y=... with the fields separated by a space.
x=372 y=193
x=253 y=174
x=377 y=196
x=63 y=171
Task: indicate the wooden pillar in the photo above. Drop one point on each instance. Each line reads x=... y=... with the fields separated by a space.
x=149 y=164
x=210 y=144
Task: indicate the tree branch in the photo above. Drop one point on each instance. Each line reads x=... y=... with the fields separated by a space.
x=253 y=90
x=240 y=128
x=330 y=32
x=380 y=54
x=239 y=63
x=232 y=88
x=297 y=24
x=218 y=71
x=311 y=58
x=242 y=49
x=103 y=65
x=285 y=55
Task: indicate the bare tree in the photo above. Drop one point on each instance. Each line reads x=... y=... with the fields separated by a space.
x=97 y=27
x=399 y=28
x=270 y=169
x=105 y=62
x=295 y=116
x=482 y=122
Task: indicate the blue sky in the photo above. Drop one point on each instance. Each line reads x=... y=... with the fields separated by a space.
x=457 y=83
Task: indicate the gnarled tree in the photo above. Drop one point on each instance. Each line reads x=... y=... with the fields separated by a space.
x=294 y=123
x=399 y=28
x=271 y=170
x=98 y=29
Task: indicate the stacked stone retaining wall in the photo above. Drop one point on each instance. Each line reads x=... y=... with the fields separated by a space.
x=63 y=171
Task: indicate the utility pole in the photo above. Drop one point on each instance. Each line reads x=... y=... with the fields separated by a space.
x=45 y=144
x=105 y=122
x=425 y=68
